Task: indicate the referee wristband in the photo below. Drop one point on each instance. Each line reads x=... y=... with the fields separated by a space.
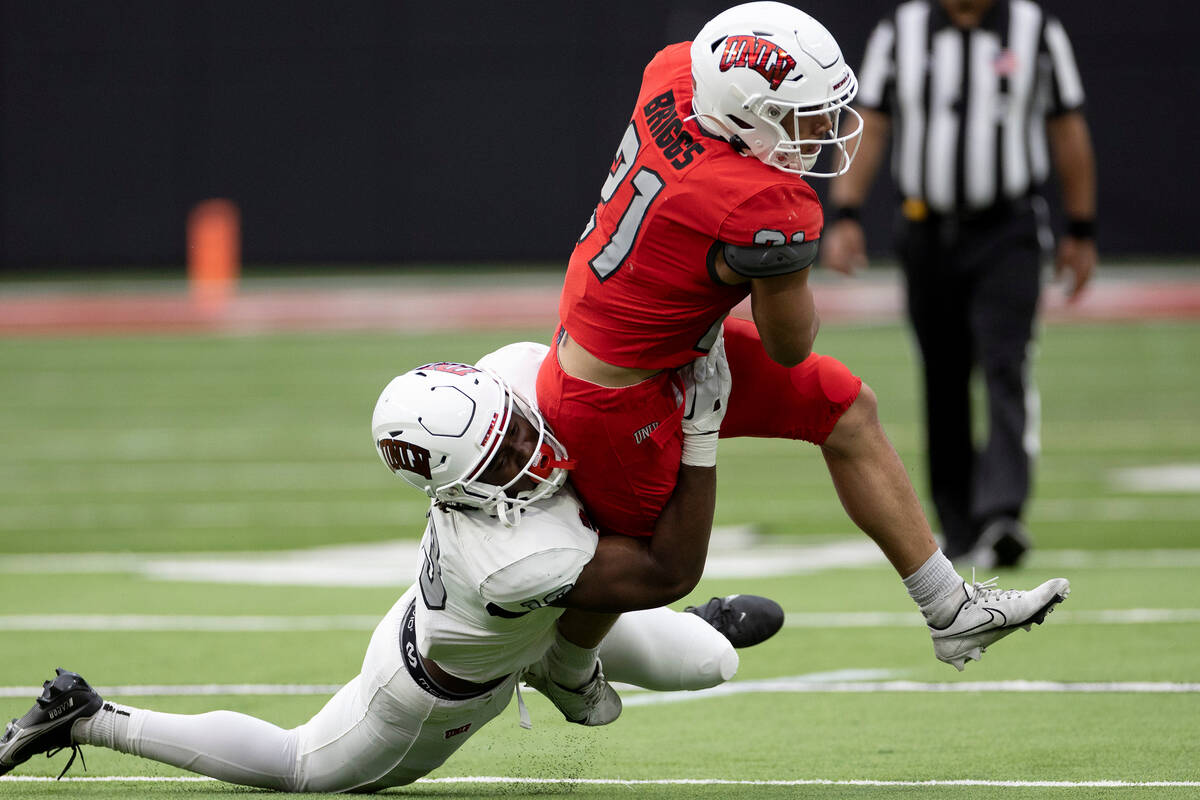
x=845 y=212
x=1081 y=228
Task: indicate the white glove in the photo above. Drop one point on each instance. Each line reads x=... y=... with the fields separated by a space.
x=706 y=398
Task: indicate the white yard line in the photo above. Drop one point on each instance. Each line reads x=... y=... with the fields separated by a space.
x=821 y=683
x=501 y=780
x=185 y=622
x=363 y=622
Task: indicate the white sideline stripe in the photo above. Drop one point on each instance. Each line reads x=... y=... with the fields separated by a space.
x=489 y=779
x=196 y=690
x=1158 y=479
x=907 y=619
x=1119 y=559
x=363 y=622
x=805 y=685
x=802 y=684
x=185 y=622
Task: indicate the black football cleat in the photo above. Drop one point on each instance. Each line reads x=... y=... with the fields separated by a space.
x=46 y=728
x=744 y=619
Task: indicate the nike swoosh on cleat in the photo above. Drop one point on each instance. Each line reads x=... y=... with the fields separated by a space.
x=992 y=614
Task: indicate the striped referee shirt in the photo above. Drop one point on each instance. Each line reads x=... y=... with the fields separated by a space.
x=968 y=107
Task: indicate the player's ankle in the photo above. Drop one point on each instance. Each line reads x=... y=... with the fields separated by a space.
x=571 y=666
x=934 y=588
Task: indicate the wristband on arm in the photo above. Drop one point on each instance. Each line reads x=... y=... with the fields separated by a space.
x=1081 y=228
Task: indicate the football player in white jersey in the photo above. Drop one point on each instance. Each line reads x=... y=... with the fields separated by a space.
x=507 y=548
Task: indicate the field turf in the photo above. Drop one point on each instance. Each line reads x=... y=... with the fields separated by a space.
x=123 y=452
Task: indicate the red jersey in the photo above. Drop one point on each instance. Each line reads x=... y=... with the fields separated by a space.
x=640 y=289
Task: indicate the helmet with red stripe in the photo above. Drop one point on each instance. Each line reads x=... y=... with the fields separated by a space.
x=462 y=436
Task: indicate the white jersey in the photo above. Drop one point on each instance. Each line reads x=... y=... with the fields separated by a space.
x=485 y=590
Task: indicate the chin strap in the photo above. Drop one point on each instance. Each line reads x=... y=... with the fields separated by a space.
x=508 y=516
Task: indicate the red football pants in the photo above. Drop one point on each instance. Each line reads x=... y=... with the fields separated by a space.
x=627 y=442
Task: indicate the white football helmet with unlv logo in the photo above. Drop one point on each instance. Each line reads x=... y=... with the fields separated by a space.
x=440 y=426
x=758 y=70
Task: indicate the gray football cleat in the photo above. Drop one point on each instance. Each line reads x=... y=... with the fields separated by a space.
x=594 y=703
x=46 y=728
x=988 y=614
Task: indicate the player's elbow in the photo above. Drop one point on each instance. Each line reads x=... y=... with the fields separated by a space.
x=677 y=581
x=788 y=346
x=789 y=354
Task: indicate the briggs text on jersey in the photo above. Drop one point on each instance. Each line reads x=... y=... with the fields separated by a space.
x=677 y=145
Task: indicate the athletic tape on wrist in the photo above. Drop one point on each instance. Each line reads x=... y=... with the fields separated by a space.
x=700 y=449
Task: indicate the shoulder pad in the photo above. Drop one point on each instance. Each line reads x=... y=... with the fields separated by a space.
x=770 y=260
x=536 y=581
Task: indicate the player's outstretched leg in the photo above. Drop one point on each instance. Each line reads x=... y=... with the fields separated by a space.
x=744 y=619
x=593 y=703
x=46 y=727
x=971 y=620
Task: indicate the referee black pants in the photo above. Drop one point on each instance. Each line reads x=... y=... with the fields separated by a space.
x=973 y=286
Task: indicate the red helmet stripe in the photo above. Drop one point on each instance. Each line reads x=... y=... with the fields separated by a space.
x=499 y=430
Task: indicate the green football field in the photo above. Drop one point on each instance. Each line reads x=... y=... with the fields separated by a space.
x=201 y=522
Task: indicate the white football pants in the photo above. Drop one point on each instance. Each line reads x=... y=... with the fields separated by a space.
x=381 y=729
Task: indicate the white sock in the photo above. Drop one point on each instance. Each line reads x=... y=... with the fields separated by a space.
x=667 y=651
x=571 y=665
x=104 y=728
x=933 y=588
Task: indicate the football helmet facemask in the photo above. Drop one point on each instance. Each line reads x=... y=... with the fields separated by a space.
x=761 y=71
x=440 y=426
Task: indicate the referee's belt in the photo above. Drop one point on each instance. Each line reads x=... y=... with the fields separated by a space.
x=428 y=675
x=917 y=210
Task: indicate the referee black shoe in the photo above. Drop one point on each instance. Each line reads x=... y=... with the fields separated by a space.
x=46 y=728
x=744 y=619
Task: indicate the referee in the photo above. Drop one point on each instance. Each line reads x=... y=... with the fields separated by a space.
x=982 y=97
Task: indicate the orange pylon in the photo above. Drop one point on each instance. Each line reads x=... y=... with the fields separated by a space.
x=213 y=252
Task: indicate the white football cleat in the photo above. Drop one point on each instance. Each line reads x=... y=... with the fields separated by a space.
x=988 y=614
x=594 y=703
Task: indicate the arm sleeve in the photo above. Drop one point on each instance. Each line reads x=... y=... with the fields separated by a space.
x=1066 y=83
x=877 y=74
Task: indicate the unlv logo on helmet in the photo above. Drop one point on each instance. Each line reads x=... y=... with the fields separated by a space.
x=761 y=55
x=402 y=455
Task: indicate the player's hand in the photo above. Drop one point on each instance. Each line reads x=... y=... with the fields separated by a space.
x=844 y=247
x=1074 y=264
x=706 y=398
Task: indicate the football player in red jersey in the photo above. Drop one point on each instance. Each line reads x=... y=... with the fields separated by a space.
x=705 y=203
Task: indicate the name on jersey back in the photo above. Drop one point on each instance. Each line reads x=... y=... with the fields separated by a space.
x=677 y=145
